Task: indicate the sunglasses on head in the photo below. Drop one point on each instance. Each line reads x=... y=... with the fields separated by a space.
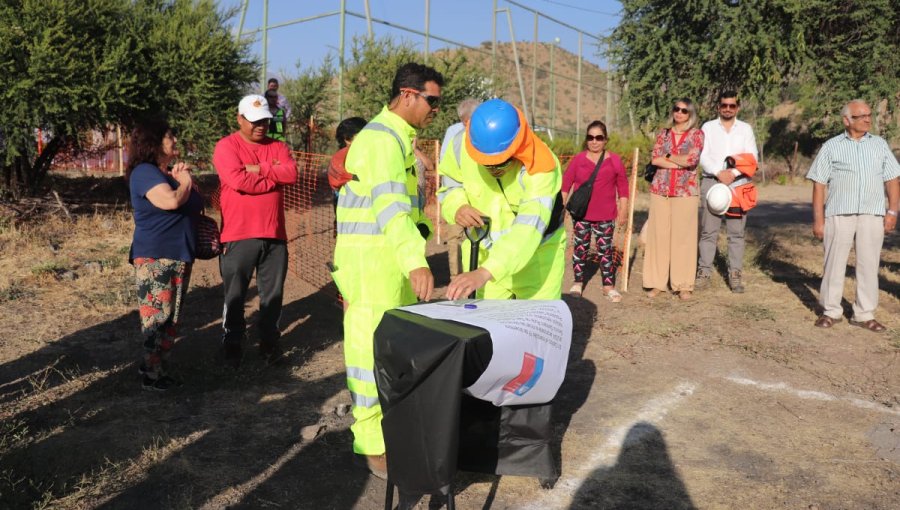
x=728 y=106
x=676 y=109
x=433 y=101
x=599 y=138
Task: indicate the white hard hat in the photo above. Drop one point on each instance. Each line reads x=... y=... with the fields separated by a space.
x=718 y=199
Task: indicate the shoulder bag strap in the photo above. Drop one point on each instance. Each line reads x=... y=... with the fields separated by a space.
x=590 y=181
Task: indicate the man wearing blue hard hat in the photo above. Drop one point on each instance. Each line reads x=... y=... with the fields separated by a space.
x=508 y=174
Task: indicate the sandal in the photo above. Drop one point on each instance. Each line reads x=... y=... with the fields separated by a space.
x=825 y=321
x=576 y=289
x=685 y=295
x=613 y=295
x=872 y=325
x=652 y=293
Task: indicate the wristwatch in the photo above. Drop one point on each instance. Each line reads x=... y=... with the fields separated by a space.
x=892 y=212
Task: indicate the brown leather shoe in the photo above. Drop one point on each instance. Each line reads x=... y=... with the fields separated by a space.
x=375 y=464
x=872 y=325
x=825 y=321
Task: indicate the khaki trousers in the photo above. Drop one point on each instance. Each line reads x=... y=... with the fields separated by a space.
x=670 y=255
x=866 y=232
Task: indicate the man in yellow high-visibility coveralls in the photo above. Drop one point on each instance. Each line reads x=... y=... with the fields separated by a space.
x=379 y=258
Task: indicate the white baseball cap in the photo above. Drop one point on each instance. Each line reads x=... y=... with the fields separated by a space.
x=254 y=107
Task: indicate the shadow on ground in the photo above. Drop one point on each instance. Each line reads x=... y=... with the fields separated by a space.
x=88 y=424
x=643 y=477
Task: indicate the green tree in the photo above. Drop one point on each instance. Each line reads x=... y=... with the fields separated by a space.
x=852 y=52
x=313 y=98
x=687 y=48
x=370 y=72
x=820 y=53
x=68 y=66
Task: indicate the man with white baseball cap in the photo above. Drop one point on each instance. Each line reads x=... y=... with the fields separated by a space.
x=253 y=169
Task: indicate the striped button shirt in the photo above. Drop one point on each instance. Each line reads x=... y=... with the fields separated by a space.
x=855 y=172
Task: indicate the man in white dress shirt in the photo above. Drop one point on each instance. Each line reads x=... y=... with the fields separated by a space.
x=724 y=136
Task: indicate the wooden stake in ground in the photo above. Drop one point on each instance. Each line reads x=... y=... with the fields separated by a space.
x=626 y=259
x=62 y=205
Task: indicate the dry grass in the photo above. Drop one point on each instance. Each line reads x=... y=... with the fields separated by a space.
x=77 y=270
x=76 y=432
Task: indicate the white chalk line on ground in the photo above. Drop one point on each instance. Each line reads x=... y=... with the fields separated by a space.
x=813 y=395
x=653 y=411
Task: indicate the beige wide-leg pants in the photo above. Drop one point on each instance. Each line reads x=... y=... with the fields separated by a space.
x=670 y=255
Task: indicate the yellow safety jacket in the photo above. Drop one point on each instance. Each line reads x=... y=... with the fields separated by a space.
x=525 y=251
x=381 y=208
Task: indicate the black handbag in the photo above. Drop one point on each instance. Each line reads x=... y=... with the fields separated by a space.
x=579 y=200
x=208 y=244
x=649 y=172
x=650 y=169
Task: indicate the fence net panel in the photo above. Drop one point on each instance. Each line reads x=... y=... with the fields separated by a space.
x=309 y=217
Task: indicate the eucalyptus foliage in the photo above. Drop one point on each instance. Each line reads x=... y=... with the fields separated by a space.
x=817 y=53
x=694 y=48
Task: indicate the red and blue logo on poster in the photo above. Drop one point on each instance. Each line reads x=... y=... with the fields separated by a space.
x=532 y=366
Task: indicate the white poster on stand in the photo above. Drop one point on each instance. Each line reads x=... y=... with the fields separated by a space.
x=531 y=342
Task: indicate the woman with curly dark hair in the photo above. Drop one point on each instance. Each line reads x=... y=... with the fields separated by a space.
x=166 y=206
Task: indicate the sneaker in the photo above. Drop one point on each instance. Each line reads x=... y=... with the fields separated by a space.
x=233 y=354
x=163 y=383
x=734 y=281
x=703 y=281
x=271 y=351
x=143 y=369
x=576 y=289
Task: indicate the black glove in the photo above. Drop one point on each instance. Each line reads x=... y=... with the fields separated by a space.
x=424 y=230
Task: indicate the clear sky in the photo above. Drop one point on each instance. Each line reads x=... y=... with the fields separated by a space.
x=464 y=21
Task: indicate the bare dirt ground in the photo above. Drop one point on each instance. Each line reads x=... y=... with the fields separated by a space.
x=727 y=401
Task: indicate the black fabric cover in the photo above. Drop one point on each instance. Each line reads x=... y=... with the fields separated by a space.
x=430 y=427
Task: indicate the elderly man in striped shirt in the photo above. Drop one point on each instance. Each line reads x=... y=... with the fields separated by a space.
x=850 y=175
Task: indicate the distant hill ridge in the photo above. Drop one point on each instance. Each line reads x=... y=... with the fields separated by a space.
x=565 y=71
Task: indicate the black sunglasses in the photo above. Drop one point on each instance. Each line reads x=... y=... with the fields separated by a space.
x=433 y=101
x=591 y=138
x=499 y=165
x=728 y=106
x=676 y=109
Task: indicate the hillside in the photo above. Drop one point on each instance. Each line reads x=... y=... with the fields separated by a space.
x=563 y=89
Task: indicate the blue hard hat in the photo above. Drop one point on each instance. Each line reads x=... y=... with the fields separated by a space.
x=493 y=126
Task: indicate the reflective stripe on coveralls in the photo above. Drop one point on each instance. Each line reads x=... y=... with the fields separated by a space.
x=377 y=246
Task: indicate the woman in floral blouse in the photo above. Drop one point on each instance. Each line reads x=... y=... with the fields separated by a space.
x=670 y=256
